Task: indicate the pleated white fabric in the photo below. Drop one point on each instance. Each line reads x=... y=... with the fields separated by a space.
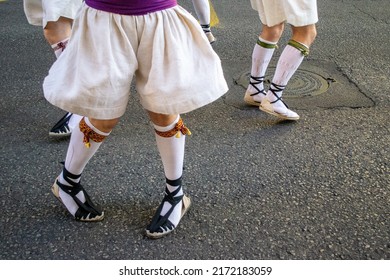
x=295 y=12
x=175 y=68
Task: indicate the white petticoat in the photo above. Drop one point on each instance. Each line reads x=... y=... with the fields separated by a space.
x=295 y=12
x=175 y=68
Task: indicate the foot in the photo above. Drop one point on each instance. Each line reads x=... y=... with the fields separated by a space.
x=210 y=37
x=71 y=197
x=279 y=109
x=249 y=98
x=61 y=128
x=161 y=225
x=255 y=92
x=273 y=104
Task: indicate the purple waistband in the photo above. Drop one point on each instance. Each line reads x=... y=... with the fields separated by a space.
x=131 y=7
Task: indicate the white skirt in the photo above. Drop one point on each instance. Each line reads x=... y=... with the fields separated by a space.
x=295 y=12
x=39 y=12
x=176 y=70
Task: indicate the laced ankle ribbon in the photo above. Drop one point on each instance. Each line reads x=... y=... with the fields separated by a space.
x=159 y=223
x=89 y=134
x=206 y=27
x=257 y=81
x=61 y=45
x=87 y=210
x=277 y=88
x=179 y=128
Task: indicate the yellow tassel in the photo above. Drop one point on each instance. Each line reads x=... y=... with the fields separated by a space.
x=185 y=131
x=178 y=135
x=86 y=141
x=214 y=20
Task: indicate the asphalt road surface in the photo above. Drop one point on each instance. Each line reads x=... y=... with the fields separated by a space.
x=315 y=189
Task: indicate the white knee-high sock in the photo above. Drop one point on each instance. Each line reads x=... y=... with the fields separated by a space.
x=171 y=151
x=74 y=121
x=289 y=61
x=78 y=154
x=261 y=58
x=172 y=155
x=202 y=9
x=77 y=157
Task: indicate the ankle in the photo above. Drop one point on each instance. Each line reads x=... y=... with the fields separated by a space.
x=174 y=187
x=68 y=179
x=206 y=28
x=256 y=84
x=275 y=93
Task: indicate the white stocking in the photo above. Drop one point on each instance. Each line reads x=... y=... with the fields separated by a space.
x=77 y=157
x=172 y=155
